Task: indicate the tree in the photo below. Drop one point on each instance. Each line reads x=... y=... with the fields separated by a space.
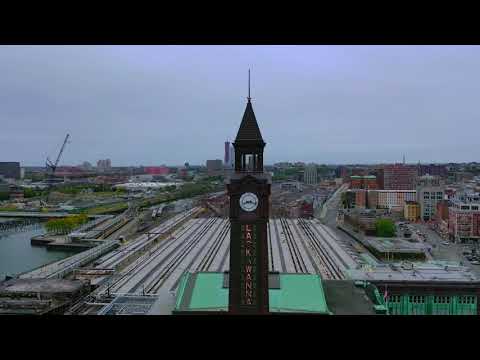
x=66 y=225
x=385 y=228
x=29 y=193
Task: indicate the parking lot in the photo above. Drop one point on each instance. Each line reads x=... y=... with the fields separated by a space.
x=446 y=250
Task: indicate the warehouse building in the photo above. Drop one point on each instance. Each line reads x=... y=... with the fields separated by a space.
x=10 y=170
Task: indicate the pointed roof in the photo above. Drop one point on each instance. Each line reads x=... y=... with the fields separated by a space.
x=249 y=130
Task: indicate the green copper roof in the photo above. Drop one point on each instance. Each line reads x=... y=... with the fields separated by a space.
x=298 y=293
x=301 y=293
x=209 y=293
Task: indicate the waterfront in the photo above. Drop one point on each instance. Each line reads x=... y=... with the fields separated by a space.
x=18 y=255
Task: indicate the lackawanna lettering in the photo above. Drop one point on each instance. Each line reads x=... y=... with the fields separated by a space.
x=248 y=269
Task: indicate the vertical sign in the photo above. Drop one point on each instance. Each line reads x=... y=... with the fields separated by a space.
x=248 y=265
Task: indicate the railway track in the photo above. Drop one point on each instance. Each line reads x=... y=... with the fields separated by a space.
x=202 y=245
x=280 y=251
x=127 y=282
x=80 y=307
x=307 y=247
x=329 y=267
x=116 y=257
x=161 y=274
x=270 y=248
x=207 y=260
x=212 y=250
x=349 y=259
x=297 y=259
x=146 y=260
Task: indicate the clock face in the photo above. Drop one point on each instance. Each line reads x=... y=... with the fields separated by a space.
x=248 y=201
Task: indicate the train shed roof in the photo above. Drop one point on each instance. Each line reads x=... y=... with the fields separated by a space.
x=292 y=293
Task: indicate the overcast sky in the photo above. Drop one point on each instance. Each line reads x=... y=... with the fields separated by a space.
x=153 y=105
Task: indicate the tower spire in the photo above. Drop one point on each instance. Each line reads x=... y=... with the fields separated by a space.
x=249 y=98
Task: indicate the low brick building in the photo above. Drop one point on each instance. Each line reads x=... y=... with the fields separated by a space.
x=363 y=182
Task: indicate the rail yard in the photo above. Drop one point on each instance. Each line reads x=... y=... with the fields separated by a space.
x=150 y=265
x=301 y=246
x=154 y=262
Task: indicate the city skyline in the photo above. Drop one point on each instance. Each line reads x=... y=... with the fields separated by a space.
x=151 y=105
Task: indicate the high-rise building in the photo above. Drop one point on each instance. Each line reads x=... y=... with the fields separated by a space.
x=229 y=156
x=399 y=177
x=214 y=167
x=10 y=170
x=310 y=174
x=232 y=156
x=226 y=156
x=430 y=191
x=104 y=165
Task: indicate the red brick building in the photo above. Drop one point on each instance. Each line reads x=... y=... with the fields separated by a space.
x=442 y=218
x=379 y=174
x=360 y=197
x=442 y=210
x=399 y=177
x=464 y=220
x=363 y=182
x=157 y=170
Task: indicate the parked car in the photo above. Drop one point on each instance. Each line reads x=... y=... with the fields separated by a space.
x=475 y=262
x=445 y=243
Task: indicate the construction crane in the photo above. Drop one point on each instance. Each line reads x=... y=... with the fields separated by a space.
x=52 y=167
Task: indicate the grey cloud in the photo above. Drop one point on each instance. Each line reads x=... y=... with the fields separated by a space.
x=171 y=104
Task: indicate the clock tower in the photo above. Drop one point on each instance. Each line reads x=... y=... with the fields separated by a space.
x=249 y=191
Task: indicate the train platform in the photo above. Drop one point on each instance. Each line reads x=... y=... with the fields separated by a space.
x=129 y=305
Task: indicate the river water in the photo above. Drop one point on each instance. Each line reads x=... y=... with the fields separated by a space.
x=18 y=255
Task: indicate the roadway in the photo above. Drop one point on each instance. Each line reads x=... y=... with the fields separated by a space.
x=445 y=250
x=328 y=213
